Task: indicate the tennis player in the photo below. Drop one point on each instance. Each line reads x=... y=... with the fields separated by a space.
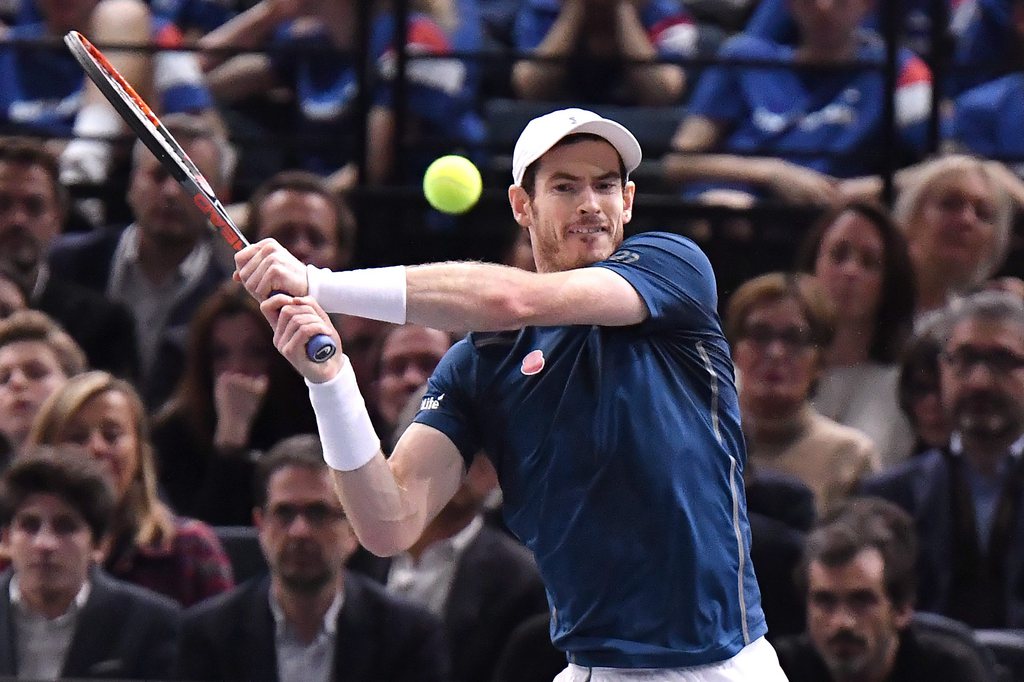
x=602 y=388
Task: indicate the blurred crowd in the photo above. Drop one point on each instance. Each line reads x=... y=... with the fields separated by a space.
x=152 y=439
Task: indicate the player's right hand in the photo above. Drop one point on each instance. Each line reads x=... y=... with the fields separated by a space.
x=296 y=320
x=266 y=267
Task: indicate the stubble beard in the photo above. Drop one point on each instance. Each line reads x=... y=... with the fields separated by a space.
x=308 y=580
x=20 y=256
x=558 y=254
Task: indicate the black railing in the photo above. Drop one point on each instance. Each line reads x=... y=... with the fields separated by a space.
x=481 y=233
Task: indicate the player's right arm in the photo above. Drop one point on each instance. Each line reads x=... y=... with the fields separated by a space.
x=388 y=501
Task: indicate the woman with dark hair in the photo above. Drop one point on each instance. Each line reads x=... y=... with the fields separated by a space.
x=236 y=398
x=859 y=256
x=151 y=546
x=919 y=394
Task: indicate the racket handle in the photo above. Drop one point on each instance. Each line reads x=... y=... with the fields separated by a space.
x=320 y=348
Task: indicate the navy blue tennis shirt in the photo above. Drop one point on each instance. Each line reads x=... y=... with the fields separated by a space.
x=620 y=458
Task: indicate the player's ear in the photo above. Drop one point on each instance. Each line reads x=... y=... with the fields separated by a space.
x=520 y=202
x=628 y=193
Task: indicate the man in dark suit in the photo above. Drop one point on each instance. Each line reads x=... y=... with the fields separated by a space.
x=480 y=581
x=33 y=208
x=309 y=619
x=60 y=615
x=164 y=264
x=476 y=578
x=967 y=498
x=857 y=574
x=781 y=511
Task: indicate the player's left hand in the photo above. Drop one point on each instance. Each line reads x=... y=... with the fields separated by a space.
x=296 y=320
x=266 y=267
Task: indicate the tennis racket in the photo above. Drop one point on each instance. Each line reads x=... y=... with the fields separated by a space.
x=156 y=137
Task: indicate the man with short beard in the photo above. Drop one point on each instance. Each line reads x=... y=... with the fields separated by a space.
x=858 y=577
x=33 y=212
x=165 y=263
x=309 y=619
x=966 y=497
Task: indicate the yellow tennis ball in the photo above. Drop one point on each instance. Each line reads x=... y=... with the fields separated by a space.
x=452 y=184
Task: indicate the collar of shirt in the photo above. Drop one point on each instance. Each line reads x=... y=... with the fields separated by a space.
x=42 y=277
x=77 y=604
x=450 y=548
x=956 y=446
x=127 y=255
x=329 y=626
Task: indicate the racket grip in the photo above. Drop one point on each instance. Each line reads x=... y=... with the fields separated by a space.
x=320 y=348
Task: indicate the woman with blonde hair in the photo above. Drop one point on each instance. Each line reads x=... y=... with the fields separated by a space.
x=150 y=546
x=957 y=218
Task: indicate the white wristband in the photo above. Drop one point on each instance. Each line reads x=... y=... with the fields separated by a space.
x=346 y=432
x=374 y=293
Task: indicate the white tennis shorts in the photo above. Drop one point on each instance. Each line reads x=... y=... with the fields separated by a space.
x=756 y=661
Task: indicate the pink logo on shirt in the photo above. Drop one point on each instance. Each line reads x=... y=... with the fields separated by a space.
x=533 y=363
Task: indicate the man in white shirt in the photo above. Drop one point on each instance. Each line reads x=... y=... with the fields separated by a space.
x=309 y=620
x=167 y=261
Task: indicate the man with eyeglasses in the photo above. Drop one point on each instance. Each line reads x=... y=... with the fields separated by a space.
x=966 y=497
x=61 y=616
x=309 y=620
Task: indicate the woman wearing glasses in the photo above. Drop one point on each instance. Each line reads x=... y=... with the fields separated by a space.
x=780 y=326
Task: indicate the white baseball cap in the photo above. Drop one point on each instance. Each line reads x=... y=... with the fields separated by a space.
x=543 y=132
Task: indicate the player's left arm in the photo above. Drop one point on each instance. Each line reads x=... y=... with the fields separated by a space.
x=449 y=296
